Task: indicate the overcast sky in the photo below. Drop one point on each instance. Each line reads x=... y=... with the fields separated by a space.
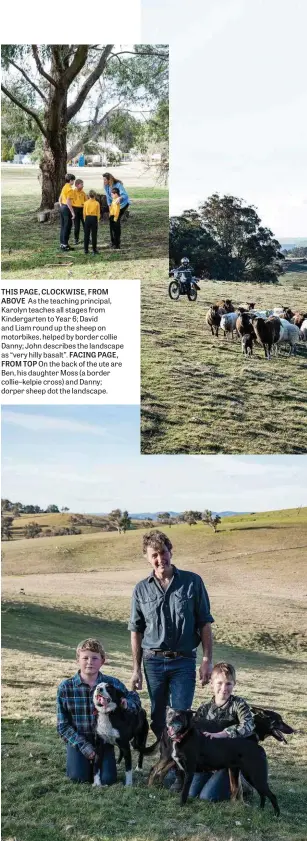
x=88 y=459
x=238 y=103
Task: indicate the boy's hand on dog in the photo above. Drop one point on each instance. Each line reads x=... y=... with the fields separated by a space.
x=221 y=735
x=124 y=703
x=92 y=756
x=137 y=680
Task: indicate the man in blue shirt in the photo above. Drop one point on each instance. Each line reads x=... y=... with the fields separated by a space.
x=170 y=616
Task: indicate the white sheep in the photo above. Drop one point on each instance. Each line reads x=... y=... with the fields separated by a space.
x=261 y=313
x=228 y=322
x=289 y=333
x=303 y=331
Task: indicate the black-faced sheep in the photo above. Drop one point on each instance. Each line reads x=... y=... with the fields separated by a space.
x=213 y=319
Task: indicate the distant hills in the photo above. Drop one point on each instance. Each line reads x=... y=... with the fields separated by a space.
x=149 y=515
x=153 y=515
x=292 y=242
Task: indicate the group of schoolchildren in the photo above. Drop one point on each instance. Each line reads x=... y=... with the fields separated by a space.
x=80 y=210
x=76 y=720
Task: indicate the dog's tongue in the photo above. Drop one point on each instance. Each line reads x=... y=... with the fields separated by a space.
x=102 y=701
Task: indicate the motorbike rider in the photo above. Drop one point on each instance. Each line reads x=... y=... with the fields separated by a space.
x=185 y=273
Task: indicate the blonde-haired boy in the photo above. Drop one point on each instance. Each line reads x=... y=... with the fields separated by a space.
x=223 y=707
x=76 y=714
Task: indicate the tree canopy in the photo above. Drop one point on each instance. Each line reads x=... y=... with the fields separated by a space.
x=211 y=519
x=66 y=93
x=224 y=239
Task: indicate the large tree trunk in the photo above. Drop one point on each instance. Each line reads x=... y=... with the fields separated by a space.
x=54 y=160
x=53 y=169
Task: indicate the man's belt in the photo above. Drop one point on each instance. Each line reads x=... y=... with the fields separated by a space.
x=158 y=652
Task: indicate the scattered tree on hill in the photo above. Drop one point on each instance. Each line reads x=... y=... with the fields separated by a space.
x=210 y=519
x=120 y=520
x=52 y=509
x=7 y=528
x=192 y=517
x=17 y=508
x=164 y=517
x=64 y=509
x=55 y=80
x=114 y=518
x=32 y=530
x=125 y=522
x=16 y=511
x=6 y=505
x=188 y=238
x=225 y=240
x=61 y=531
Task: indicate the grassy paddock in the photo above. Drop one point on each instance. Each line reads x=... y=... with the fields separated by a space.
x=254 y=570
x=31 y=249
x=199 y=395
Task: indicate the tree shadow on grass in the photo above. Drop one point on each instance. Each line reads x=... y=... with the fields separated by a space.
x=296 y=266
x=30 y=245
x=54 y=632
x=253 y=527
x=245 y=658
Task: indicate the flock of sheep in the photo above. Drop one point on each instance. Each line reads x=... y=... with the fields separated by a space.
x=270 y=328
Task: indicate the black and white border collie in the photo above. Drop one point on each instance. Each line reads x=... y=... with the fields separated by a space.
x=117 y=725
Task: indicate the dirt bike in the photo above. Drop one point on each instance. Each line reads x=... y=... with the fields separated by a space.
x=180 y=286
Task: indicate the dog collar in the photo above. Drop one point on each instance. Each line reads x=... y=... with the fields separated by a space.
x=178 y=738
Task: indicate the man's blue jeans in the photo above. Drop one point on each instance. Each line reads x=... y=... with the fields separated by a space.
x=170 y=682
x=208 y=786
x=80 y=769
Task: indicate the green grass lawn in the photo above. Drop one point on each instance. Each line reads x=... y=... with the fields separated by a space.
x=199 y=395
x=31 y=249
x=255 y=572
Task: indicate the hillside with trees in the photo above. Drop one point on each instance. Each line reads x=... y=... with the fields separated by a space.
x=225 y=240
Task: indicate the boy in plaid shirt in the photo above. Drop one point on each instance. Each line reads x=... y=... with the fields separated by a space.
x=76 y=715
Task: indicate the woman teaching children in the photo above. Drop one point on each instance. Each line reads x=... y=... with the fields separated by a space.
x=83 y=212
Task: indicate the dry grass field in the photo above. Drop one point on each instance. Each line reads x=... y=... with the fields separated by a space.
x=77 y=586
x=199 y=395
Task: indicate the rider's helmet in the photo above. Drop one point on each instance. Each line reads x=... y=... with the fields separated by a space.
x=184 y=261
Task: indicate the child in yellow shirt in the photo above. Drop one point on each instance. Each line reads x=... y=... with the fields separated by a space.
x=91 y=214
x=67 y=212
x=115 y=228
x=78 y=201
